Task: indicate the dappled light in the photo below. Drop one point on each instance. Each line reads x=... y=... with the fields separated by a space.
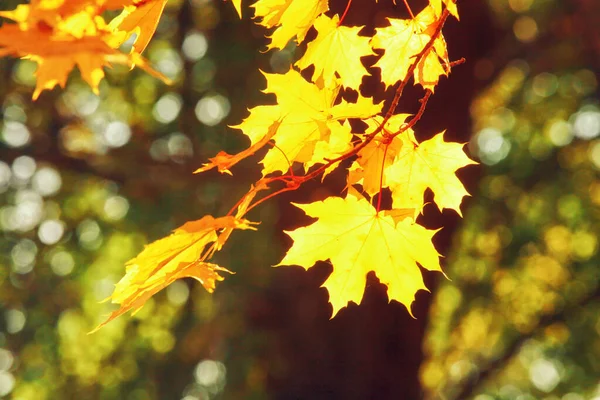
x=88 y=181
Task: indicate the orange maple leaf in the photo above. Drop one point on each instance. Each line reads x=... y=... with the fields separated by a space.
x=369 y=168
x=223 y=161
x=142 y=20
x=61 y=35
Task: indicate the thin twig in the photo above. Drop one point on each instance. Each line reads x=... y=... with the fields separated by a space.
x=416 y=118
x=409 y=9
x=345 y=12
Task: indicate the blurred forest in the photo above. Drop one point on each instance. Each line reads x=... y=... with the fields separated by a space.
x=86 y=181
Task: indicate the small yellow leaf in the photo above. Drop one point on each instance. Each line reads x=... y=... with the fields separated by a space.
x=430 y=164
x=337 y=49
x=291 y=17
x=402 y=41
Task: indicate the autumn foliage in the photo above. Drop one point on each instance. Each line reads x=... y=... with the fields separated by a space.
x=313 y=127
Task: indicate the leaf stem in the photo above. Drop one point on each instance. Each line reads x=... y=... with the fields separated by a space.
x=379 y=196
x=345 y=12
x=414 y=119
x=274 y=145
x=277 y=193
x=409 y=9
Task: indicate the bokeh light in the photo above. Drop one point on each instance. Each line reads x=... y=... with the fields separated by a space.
x=87 y=180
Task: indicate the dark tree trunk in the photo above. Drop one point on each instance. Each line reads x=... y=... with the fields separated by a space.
x=371 y=351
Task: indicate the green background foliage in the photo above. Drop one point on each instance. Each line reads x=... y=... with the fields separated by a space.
x=86 y=181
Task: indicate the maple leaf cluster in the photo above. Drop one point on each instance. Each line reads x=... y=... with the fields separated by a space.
x=61 y=34
x=311 y=126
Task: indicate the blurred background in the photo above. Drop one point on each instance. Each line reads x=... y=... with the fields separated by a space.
x=86 y=181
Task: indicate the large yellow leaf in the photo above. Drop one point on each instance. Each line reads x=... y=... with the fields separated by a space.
x=291 y=17
x=431 y=164
x=180 y=255
x=402 y=41
x=307 y=116
x=337 y=49
x=357 y=240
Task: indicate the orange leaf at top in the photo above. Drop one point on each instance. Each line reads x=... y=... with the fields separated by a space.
x=61 y=35
x=180 y=255
x=56 y=58
x=142 y=19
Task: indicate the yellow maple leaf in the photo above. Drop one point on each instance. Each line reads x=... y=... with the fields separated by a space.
x=375 y=157
x=291 y=17
x=311 y=126
x=180 y=255
x=357 y=239
x=337 y=49
x=402 y=41
x=430 y=164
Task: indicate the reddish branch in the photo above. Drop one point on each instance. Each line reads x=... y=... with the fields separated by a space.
x=413 y=120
